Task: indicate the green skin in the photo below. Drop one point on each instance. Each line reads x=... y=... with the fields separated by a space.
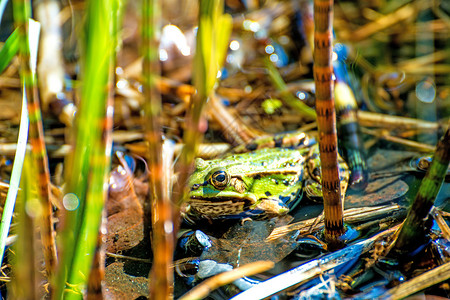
x=261 y=183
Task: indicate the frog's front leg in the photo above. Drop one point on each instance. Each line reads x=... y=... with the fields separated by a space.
x=271 y=207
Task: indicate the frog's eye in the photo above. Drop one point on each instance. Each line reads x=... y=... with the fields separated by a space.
x=220 y=179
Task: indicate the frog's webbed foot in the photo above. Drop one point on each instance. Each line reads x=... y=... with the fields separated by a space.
x=184 y=214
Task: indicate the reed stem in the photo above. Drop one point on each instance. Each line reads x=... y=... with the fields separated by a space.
x=413 y=232
x=326 y=118
x=158 y=208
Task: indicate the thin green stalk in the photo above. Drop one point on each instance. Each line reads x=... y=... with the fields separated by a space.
x=87 y=166
x=212 y=40
x=413 y=231
x=96 y=280
x=152 y=107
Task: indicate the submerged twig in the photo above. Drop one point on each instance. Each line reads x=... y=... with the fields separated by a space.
x=405 y=142
x=351 y=215
x=443 y=226
x=384 y=22
x=371 y=119
x=419 y=283
x=234 y=129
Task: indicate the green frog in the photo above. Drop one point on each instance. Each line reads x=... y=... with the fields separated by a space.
x=262 y=182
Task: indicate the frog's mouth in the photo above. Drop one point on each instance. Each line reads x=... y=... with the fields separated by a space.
x=232 y=197
x=218 y=207
x=225 y=203
x=229 y=207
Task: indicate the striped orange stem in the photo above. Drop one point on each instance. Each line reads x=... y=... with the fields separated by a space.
x=326 y=117
x=346 y=108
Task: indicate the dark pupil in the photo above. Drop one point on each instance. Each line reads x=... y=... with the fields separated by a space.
x=220 y=177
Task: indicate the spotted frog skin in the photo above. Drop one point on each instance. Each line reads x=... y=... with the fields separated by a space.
x=264 y=182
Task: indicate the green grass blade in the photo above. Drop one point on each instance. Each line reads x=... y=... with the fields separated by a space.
x=9 y=50
x=212 y=39
x=15 y=178
x=87 y=167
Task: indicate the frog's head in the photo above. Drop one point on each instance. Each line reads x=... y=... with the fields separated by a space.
x=244 y=183
x=214 y=183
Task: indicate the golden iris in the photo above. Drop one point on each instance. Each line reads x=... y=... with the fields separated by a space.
x=220 y=179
